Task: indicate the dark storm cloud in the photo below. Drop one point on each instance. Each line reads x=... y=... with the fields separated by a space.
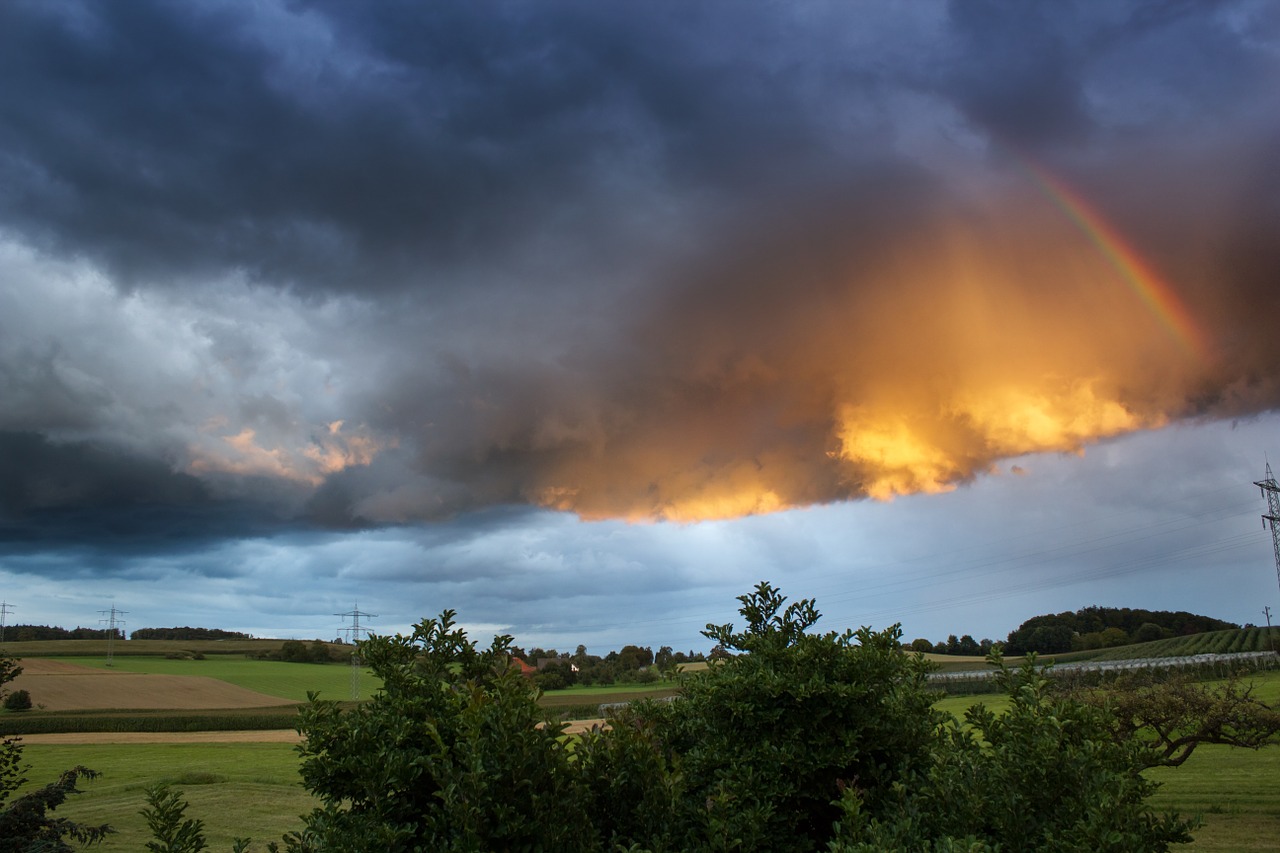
x=103 y=501
x=602 y=257
x=348 y=146
x=365 y=146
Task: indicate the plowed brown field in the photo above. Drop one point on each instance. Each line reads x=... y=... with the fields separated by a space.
x=61 y=686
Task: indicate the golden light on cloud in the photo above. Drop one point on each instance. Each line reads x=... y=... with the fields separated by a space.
x=960 y=346
x=898 y=460
x=302 y=460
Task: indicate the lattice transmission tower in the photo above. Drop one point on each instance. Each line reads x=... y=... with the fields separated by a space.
x=5 y=609
x=1271 y=491
x=112 y=621
x=353 y=632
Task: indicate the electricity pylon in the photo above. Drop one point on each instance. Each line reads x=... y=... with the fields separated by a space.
x=5 y=609
x=1271 y=491
x=353 y=633
x=111 y=623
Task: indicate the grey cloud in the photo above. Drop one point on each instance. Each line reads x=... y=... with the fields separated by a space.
x=564 y=229
x=107 y=501
x=339 y=147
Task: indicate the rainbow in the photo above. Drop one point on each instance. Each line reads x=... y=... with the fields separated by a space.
x=1154 y=292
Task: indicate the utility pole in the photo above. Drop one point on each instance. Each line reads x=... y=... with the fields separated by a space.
x=5 y=609
x=1271 y=491
x=353 y=633
x=1267 y=611
x=112 y=622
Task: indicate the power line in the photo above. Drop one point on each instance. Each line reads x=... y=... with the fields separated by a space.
x=353 y=632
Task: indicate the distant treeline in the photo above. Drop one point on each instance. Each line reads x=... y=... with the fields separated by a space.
x=1104 y=627
x=185 y=633
x=954 y=645
x=552 y=670
x=25 y=633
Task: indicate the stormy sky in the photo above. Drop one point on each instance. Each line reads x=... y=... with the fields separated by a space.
x=581 y=318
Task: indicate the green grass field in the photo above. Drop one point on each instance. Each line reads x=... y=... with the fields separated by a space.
x=237 y=789
x=289 y=681
x=1236 y=792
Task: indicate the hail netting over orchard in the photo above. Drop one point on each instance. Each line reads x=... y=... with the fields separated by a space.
x=1271 y=492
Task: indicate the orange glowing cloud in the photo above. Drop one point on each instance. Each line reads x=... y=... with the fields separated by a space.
x=306 y=461
x=912 y=366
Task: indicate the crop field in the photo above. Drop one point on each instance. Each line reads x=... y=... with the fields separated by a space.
x=286 y=681
x=58 y=685
x=1230 y=641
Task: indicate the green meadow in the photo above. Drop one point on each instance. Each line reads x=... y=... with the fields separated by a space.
x=238 y=789
x=1236 y=792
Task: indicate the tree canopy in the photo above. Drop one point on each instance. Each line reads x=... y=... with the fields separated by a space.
x=792 y=740
x=1058 y=632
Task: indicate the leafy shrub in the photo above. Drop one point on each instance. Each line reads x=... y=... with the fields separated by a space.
x=450 y=755
x=791 y=741
x=766 y=740
x=1046 y=775
x=18 y=700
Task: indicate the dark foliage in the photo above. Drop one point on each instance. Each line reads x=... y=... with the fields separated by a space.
x=1045 y=775
x=449 y=755
x=28 y=633
x=186 y=633
x=790 y=741
x=766 y=740
x=18 y=700
x=1172 y=715
x=1056 y=633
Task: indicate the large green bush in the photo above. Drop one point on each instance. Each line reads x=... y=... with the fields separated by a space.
x=18 y=700
x=1046 y=775
x=767 y=739
x=791 y=741
x=451 y=755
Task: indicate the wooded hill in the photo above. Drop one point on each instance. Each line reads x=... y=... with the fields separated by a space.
x=1104 y=627
x=187 y=633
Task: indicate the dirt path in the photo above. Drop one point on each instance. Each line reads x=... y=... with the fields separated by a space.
x=268 y=736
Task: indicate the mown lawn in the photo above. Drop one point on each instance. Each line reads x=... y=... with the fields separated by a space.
x=1236 y=792
x=237 y=789
x=275 y=678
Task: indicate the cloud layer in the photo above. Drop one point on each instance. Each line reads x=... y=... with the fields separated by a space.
x=325 y=265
